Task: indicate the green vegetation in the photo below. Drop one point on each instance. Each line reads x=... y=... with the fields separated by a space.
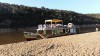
x=19 y=16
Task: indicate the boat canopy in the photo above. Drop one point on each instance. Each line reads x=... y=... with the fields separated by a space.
x=54 y=20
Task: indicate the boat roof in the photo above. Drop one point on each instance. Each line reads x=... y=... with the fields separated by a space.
x=54 y=20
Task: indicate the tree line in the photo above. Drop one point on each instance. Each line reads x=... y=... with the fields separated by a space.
x=20 y=16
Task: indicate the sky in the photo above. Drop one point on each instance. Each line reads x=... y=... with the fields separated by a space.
x=80 y=6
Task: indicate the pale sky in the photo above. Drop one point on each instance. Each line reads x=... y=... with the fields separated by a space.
x=80 y=6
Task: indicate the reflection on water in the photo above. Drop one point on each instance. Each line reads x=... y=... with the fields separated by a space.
x=11 y=37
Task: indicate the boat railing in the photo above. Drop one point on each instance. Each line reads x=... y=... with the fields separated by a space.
x=47 y=26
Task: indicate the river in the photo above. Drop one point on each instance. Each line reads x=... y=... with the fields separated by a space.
x=11 y=37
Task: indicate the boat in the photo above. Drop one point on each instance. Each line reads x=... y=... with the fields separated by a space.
x=51 y=28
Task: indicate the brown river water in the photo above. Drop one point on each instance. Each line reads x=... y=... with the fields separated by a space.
x=11 y=37
x=18 y=36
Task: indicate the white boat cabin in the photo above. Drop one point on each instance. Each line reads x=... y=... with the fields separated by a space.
x=71 y=28
x=54 y=26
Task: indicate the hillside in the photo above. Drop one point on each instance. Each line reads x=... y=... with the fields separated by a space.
x=87 y=44
x=94 y=15
x=20 y=16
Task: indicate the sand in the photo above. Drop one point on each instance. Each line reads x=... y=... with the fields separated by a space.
x=87 y=44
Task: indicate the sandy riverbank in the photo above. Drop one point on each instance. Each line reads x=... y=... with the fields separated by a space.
x=87 y=44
